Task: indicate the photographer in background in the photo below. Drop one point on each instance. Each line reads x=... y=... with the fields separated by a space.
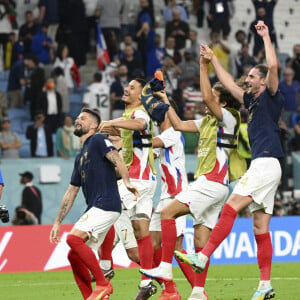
x=24 y=217
x=4 y=216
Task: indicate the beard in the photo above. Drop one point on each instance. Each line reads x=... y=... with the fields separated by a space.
x=79 y=131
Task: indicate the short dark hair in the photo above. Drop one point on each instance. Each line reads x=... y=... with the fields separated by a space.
x=262 y=69
x=58 y=71
x=94 y=113
x=32 y=57
x=225 y=96
x=98 y=77
x=141 y=81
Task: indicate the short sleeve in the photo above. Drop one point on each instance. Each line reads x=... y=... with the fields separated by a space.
x=228 y=120
x=104 y=145
x=75 y=178
x=169 y=137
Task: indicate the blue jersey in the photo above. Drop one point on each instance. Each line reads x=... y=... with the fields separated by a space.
x=263 y=129
x=96 y=174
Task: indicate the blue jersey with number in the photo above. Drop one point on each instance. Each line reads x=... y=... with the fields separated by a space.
x=263 y=129
x=96 y=174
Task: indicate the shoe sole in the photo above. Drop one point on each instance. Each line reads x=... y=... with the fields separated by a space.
x=269 y=295
x=184 y=259
x=156 y=277
x=110 y=274
x=150 y=292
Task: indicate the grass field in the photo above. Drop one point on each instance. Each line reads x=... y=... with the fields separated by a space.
x=230 y=282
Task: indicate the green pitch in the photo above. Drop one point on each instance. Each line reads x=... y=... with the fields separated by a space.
x=228 y=282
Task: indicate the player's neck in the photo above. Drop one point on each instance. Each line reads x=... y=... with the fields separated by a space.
x=83 y=138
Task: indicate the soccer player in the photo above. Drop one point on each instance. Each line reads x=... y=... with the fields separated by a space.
x=259 y=184
x=170 y=146
x=203 y=198
x=94 y=170
x=97 y=97
x=137 y=151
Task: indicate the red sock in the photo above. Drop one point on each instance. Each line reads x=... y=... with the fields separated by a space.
x=221 y=230
x=186 y=270
x=170 y=286
x=168 y=239
x=264 y=255
x=146 y=253
x=81 y=274
x=200 y=278
x=107 y=245
x=157 y=257
x=87 y=256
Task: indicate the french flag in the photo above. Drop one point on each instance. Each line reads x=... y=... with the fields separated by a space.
x=103 y=58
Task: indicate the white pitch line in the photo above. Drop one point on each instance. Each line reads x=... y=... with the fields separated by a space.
x=241 y=278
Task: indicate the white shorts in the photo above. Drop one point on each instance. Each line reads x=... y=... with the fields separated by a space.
x=124 y=231
x=96 y=223
x=260 y=182
x=155 y=224
x=205 y=199
x=140 y=208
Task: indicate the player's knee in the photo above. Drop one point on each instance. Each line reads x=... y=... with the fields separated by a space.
x=133 y=255
x=165 y=214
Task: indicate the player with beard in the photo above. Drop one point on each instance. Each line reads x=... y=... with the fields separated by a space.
x=94 y=171
x=258 y=186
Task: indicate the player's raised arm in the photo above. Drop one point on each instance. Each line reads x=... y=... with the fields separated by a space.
x=272 y=76
x=177 y=123
x=224 y=77
x=66 y=205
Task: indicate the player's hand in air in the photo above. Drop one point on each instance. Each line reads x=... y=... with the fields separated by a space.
x=206 y=54
x=54 y=234
x=262 y=29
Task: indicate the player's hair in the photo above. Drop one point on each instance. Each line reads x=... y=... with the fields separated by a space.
x=262 y=69
x=225 y=96
x=94 y=113
x=173 y=105
x=141 y=81
x=98 y=77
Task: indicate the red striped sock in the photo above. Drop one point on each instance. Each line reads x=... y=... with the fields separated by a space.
x=186 y=270
x=221 y=230
x=168 y=239
x=200 y=278
x=87 y=256
x=264 y=255
x=146 y=253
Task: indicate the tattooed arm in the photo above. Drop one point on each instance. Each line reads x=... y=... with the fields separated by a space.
x=66 y=204
x=116 y=160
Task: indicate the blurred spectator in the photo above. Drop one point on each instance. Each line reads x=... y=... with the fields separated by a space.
x=290 y=90
x=144 y=30
x=109 y=12
x=294 y=62
x=177 y=29
x=41 y=144
x=171 y=73
x=243 y=59
x=62 y=88
x=269 y=6
x=133 y=64
x=42 y=45
x=198 y=8
x=6 y=8
x=35 y=80
x=67 y=144
x=97 y=97
x=11 y=51
x=117 y=91
x=51 y=105
x=193 y=44
x=48 y=14
x=3 y=106
x=192 y=95
x=129 y=16
x=168 y=11
x=90 y=10
x=128 y=41
x=16 y=80
x=110 y=73
x=73 y=29
x=27 y=31
x=23 y=216
x=220 y=12
x=68 y=64
x=221 y=51
x=155 y=54
x=9 y=141
x=178 y=97
x=31 y=195
x=295 y=143
x=189 y=68
x=22 y=7
x=171 y=51
x=258 y=42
